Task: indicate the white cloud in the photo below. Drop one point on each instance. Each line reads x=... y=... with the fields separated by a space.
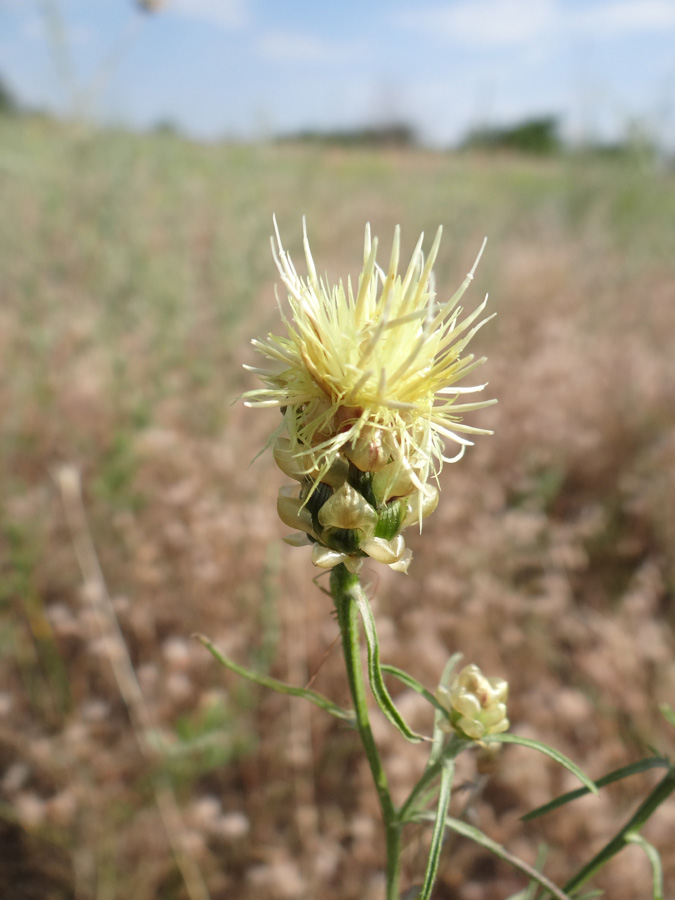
x=626 y=17
x=290 y=46
x=486 y=22
x=517 y=22
x=232 y=14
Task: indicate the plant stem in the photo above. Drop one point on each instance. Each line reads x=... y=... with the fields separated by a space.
x=345 y=589
x=409 y=809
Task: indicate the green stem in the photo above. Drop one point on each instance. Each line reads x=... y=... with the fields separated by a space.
x=439 y=830
x=345 y=589
x=409 y=809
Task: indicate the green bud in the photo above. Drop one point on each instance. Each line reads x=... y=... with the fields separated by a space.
x=476 y=705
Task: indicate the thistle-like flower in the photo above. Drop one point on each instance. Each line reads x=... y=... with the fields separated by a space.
x=366 y=381
x=476 y=705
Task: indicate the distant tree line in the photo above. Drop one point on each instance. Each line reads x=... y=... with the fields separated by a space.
x=539 y=136
x=8 y=103
x=533 y=136
x=395 y=134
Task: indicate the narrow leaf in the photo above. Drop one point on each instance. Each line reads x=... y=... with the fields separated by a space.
x=377 y=684
x=548 y=751
x=441 y=715
x=654 y=799
x=426 y=786
x=654 y=861
x=624 y=772
x=274 y=684
x=476 y=835
x=414 y=685
x=532 y=891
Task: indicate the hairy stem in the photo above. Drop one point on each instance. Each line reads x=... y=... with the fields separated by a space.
x=345 y=589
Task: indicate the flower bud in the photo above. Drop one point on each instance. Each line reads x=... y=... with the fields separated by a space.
x=476 y=705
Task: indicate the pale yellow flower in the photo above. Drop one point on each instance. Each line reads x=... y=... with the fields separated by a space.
x=366 y=380
x=476 y=705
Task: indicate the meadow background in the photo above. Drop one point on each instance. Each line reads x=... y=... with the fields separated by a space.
x=134 y=270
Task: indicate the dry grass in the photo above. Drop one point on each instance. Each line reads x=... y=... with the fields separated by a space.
x=133 y=272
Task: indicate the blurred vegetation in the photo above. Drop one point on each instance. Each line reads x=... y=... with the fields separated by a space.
x=394 y=134
x=8 y=102
x=536 y=136
x=135 y=269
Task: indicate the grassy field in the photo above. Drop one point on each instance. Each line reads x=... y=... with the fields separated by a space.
x=133 y=273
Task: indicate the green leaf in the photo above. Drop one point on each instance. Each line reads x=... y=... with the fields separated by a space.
x=414 y=685
x=548 y=751
x=655 y=862
x=624 y=772
x=426 y=787
x=377 y=685
x=441 y=715
x=449 y=668
x=668 y=713
x=532 y=890
x=274 y=684
x=476 y=835
x=649 y=805
x=417 y=686
x=439 y=831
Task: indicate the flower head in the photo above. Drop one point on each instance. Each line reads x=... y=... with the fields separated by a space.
x=476 y=705
x=366 y=380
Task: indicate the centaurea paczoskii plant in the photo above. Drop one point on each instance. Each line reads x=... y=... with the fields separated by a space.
x=369 y=379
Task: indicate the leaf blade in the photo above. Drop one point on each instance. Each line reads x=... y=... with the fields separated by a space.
x=551 y=752
x=482 y=839
x=377 y=685
x=274 y=684
x=642 y=765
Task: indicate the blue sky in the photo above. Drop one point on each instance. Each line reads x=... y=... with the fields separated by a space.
x=249 y=68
